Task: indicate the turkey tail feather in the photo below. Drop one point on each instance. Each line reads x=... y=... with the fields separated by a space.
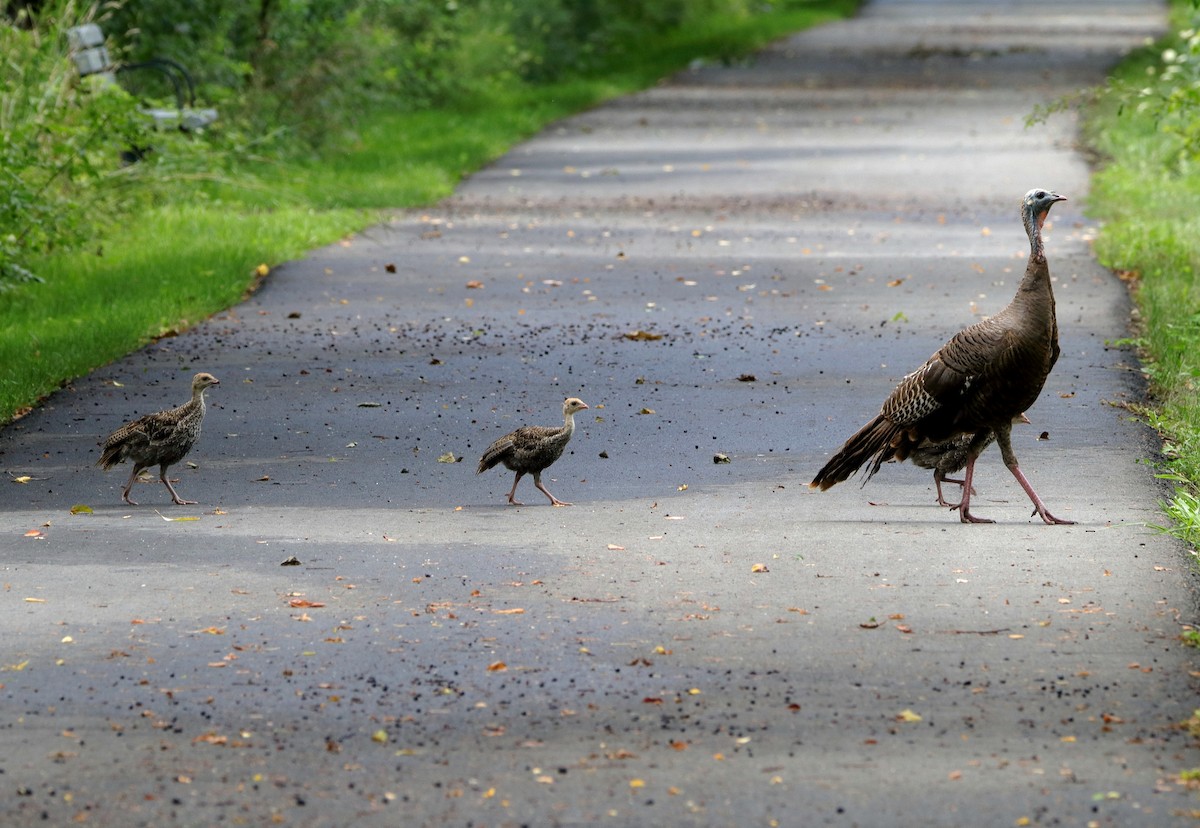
x=877 y=442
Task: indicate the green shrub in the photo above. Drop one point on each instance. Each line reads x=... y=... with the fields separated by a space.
x=62 y=139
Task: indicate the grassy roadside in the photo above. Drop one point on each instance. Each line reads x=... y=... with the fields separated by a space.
x=178 y=264
x=1147 y=193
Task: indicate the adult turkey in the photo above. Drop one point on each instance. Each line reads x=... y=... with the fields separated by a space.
x=161 y=439
x=532 y=449
x=974 y=385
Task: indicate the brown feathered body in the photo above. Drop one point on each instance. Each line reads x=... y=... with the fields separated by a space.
x=950 y=456
x=161 y=439
x=532 y=449
x=974 y=385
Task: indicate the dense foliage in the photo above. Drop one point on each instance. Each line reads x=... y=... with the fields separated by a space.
x=289 y=77
x=1147 y=191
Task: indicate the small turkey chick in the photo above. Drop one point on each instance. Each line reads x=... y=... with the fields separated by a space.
x=161 y=439
x=951 y=456
x=531 y=450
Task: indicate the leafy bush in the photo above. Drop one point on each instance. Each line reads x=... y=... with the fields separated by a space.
x=290 y=79
x=61 y=143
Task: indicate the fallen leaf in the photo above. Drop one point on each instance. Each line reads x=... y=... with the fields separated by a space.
x=636 y=783
x=747 y=378
x=870 y=625
x=904 y=628
x=448 y=457
x=304 y=616
x=370 y=404
x=497 y=667
x=643 y=336
x=301 y=602
x=907 y=715
x=212 y=631
x=35 y=600
x=758 y=567
x=513 y=611
x=647 y=411
x=721 y=458
x=22 y=479
x=612 y=547
x=292 y=561
x=474 y=284
x=34 y=533
x=175 y=519
x=895 y=283
x=380 y=736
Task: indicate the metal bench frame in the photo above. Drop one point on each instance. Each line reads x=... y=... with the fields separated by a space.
x=91 y=58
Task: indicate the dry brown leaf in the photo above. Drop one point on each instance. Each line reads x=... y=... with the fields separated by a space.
x=643 y=336
x=513 y=611
x=497 y=667
x=301 y=602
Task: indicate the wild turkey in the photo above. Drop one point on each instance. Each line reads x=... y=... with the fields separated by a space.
x=161 y=439
x=531 y=450
x=948 y=457
x=974 y=385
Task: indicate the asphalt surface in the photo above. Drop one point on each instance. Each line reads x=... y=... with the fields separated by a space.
x=693 y=643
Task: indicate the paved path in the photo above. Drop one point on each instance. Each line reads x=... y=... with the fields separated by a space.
x=820 y=219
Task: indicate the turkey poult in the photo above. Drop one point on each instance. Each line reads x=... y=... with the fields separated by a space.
x=161 y=439
x=531 y=450
x=948 y=457
x=975 y=385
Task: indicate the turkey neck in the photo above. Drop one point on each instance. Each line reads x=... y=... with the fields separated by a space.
x=1036 y=283
x=197 y=403
x=568 y=424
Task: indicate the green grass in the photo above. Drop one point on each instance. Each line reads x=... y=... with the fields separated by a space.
x=174 y=269
x=176 y=265
x=1148 y=195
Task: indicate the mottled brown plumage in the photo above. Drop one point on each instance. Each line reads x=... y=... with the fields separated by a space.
x=531 y=450
x=161 y=439
x=974 y=385
x=950 y=456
